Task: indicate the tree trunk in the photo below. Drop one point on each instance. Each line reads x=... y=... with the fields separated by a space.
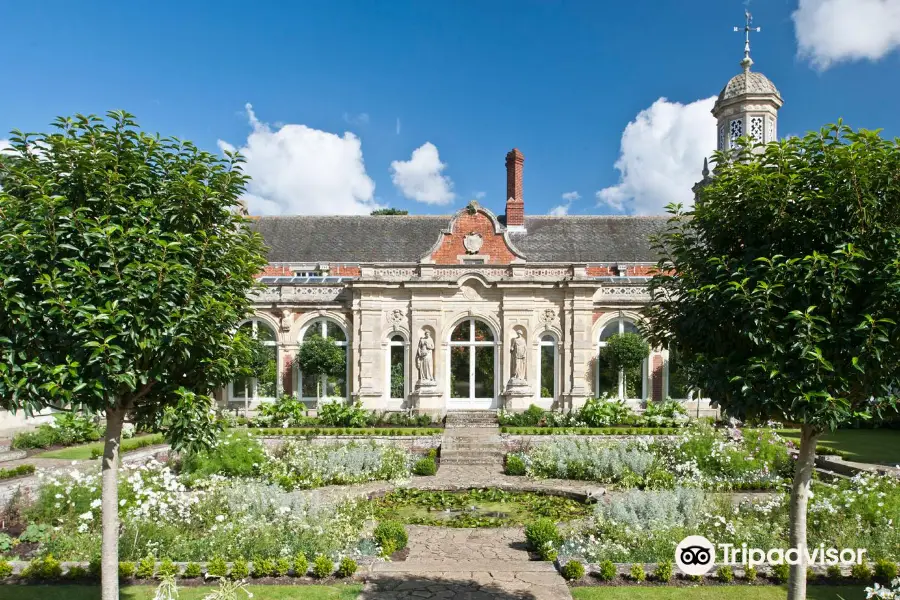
x=109 y=571
x=806 y=462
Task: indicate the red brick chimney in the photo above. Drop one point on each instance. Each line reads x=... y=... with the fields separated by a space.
x=515 y=205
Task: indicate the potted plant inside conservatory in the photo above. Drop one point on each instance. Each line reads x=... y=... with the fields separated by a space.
x=625 y=353
x=322 y=359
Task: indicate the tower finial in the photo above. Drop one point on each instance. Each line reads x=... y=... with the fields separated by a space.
x=747 y=62
x=705 y=170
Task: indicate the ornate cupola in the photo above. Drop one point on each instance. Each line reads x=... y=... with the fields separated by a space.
x=749 y=103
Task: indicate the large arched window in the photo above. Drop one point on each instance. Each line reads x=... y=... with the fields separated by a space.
x=397 y=367
x=548 y=367
x=312 y=388
x=626 y=384
x=473 y=360
x=262 y=387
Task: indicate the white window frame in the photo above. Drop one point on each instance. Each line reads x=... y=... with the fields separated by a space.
x=554 y=393
x=251 y=386
x=472 y=344
x=322 y=323
x=621 y=320
x=391 y=344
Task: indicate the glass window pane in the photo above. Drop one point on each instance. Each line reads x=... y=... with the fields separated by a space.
x=678 y=385
x=608 y=379
x=629 y=327
x=609 y=330
x=398 y=376
x=312 y=330
x=308 y=387
x=462 y=332
x=484 y=372
x=548 y=339
x=337 y=387
x=264 y=333
x=633 y=382
x=548 y=371
x=239 y=388
x=265 y=383
x=334 y=331
x=483 y=333
x=397 y=339
x=459 y=371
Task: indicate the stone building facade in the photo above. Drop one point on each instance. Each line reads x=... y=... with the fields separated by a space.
x=506 y=311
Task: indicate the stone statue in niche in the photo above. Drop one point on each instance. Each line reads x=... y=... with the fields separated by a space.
x=287 y=317
x=519 y=352
x=425 y=359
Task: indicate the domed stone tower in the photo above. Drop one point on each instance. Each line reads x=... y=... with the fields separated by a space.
x=748 y=104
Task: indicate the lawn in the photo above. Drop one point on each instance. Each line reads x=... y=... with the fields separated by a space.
x=145 y=592
x=84 y=451
x=738 y=592
x=880 y=446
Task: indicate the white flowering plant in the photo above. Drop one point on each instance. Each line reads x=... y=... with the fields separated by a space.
x=300 y=464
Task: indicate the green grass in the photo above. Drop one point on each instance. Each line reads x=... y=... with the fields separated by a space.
x=738 y=592
x=85 y=451
x=145 y=592
x=879 y=446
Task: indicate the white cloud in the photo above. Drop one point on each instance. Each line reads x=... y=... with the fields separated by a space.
x=561 y=210
x=420 y=178
x=661 y=156
x=360 y=119
x=299 y=170
x=831 y=31
x=480 y=195
x=4 y=144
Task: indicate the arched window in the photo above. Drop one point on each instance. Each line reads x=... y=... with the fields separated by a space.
x=262 y=387
x=626 y=384
x=324 y=386
x=396 y=364
x=473 y=358
x=548 y=357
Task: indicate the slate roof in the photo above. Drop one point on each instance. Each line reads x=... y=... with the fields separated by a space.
x=364 y=239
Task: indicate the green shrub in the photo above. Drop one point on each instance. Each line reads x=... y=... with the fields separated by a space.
x=664 y=571
x=263 y=567
x=146 y=568
x=607 y=571
x=35 y=533
x=166 y=568
x=347 y=567
x=66 y=430
x=239 y=569
x=514 y=465
x=5 y=568
x=725 y=574
x=16 y=471
x=322 y=566
x=540 y=532
x=573 y=570
x=217 y=567
x=301 y=565
x=94 y=567
x=391 y=531
x=192 y=570
x=637 y=572
x=425 y=466
x=77 y=573
x=388 y=548
x=695 y=578
x=342 y=414
x=780 y=573
x=126 y=569
x=861 y=572
x=237 y=454
x=810 y=574
x=133 y=444
x=833 y=572
x=885 y=570
x=750 y=574
x=43 y=569
x=283 y=567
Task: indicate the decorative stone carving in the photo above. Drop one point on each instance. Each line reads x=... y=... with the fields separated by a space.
x=473 y=243
x=547 y=316
x=287 y=317
x=395 y=274
x=625 y=292
x=397 y=316
x=470 y=292
x=425 y=360
x=519 y=352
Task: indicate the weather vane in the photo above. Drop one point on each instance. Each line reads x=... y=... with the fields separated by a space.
x=748 y=62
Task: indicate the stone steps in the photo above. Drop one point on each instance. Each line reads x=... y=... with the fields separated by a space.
x=8 y=455
x=464 y=566
x=471 y=458
x=471 y=419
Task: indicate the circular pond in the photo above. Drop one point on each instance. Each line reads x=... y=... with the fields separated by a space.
x=475 y=508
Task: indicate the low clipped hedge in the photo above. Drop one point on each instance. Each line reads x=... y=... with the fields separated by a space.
x=133 y=444
x=591 y=430
x=362 y=431
x=16 y=471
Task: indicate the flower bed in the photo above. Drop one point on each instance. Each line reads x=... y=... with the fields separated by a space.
x=700 y=456
x=645 y=526
x=303 y=465
x=348 y=431
x=19 y=471
x=591 y=430
x=601 y=412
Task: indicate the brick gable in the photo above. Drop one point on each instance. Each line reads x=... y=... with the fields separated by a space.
x=450 y=247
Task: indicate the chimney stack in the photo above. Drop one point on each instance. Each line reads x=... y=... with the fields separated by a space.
x=515 y=204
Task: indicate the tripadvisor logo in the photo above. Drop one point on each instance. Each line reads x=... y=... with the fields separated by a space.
x=696 y=555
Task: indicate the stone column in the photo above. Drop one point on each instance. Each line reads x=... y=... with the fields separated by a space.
x=368 y=326
x=578 y=347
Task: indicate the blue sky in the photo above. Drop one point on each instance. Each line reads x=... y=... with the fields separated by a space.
x=560 y=80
